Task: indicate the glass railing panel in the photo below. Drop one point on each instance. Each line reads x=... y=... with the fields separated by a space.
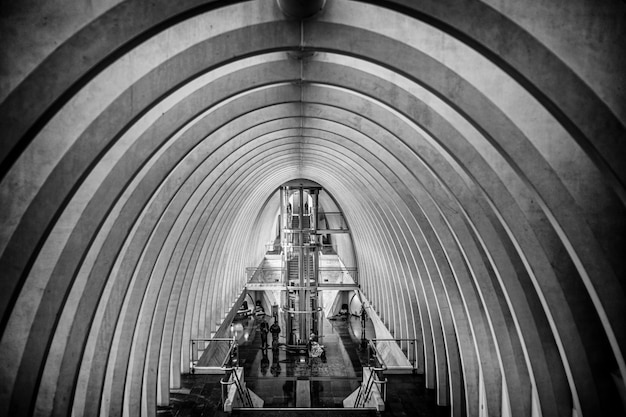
x=265 y=275
x=331 y=221
x=327 y=275
x=408 y=346
x=213 y=353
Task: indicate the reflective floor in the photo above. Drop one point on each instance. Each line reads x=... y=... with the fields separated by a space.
x=278 y=376
x=272 y=375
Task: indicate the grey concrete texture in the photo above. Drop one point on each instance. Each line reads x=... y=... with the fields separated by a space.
x=476 y=150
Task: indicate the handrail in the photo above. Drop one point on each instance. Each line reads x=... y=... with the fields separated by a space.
x=233 y=347
x=383 y=392
x=225 y=392
x=321 y=268
x=193 y=356
x=227 y=364
x=242 y=392
x=372 y=348
x=246 y=400
x=365 y=390
x=361 y=396
x=272 y=275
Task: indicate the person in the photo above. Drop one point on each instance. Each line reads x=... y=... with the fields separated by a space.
x=275 y=330
x=265 y=328
x=259 y=311
x=315 y=349
x=363 y=324
x=343 y=313
x=243 y=311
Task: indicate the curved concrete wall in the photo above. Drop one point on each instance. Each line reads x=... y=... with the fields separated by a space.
x=476 y=150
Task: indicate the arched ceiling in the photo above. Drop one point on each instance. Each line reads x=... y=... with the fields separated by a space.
x=475 y=148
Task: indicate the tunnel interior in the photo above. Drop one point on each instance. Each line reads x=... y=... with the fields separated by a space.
x=475 y=150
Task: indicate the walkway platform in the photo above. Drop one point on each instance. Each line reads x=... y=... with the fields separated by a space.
x=278 y=377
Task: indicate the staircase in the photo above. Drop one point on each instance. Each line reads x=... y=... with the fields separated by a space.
x=292 y=267
x=292 y=276
x=295 y=222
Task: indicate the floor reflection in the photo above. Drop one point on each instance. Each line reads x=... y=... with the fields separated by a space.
x=273 y=377
x=331 y=379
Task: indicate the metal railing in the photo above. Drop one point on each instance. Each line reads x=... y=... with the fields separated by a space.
x=265 y=275
x=375 y=379
x=275 y=248
x=231 y=365
x=231 y=359
x=197 y=347
x=242 y=392
x=408 y=346
x=328 y=275
x=332 y=220
x=338 y=276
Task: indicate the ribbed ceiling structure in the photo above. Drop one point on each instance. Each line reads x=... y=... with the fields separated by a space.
x=476 y=148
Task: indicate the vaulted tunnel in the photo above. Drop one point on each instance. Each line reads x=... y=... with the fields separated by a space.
x=475 y=148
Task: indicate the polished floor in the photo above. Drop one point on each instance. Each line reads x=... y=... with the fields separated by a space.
x=274 y=376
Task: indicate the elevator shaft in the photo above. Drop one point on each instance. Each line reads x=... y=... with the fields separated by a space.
x=299 y=207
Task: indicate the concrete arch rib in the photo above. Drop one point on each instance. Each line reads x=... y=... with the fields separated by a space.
x=221 y=308
x=382 y=248
x=179 y=141
x=219 y=296
x=100 y=120
x=474 y=24
x=486 y=346
x=123 y=355
x=335 y=100
x=547 y=194
x=373 y=250
x=388 y=145
x=185 y=256
x=548 y=189
x=485 y=184
x=547 y=69
x=97 y=206
x=77 y=71
x=96 y=390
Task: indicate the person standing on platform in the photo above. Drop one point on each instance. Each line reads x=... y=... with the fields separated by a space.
x=259 y=311
x=275 y=330
x=264 y=328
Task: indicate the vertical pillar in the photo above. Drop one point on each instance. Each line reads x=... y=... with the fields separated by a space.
x=302 y=292
x=314 y=210
x=315 y=315
x=282 y=222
